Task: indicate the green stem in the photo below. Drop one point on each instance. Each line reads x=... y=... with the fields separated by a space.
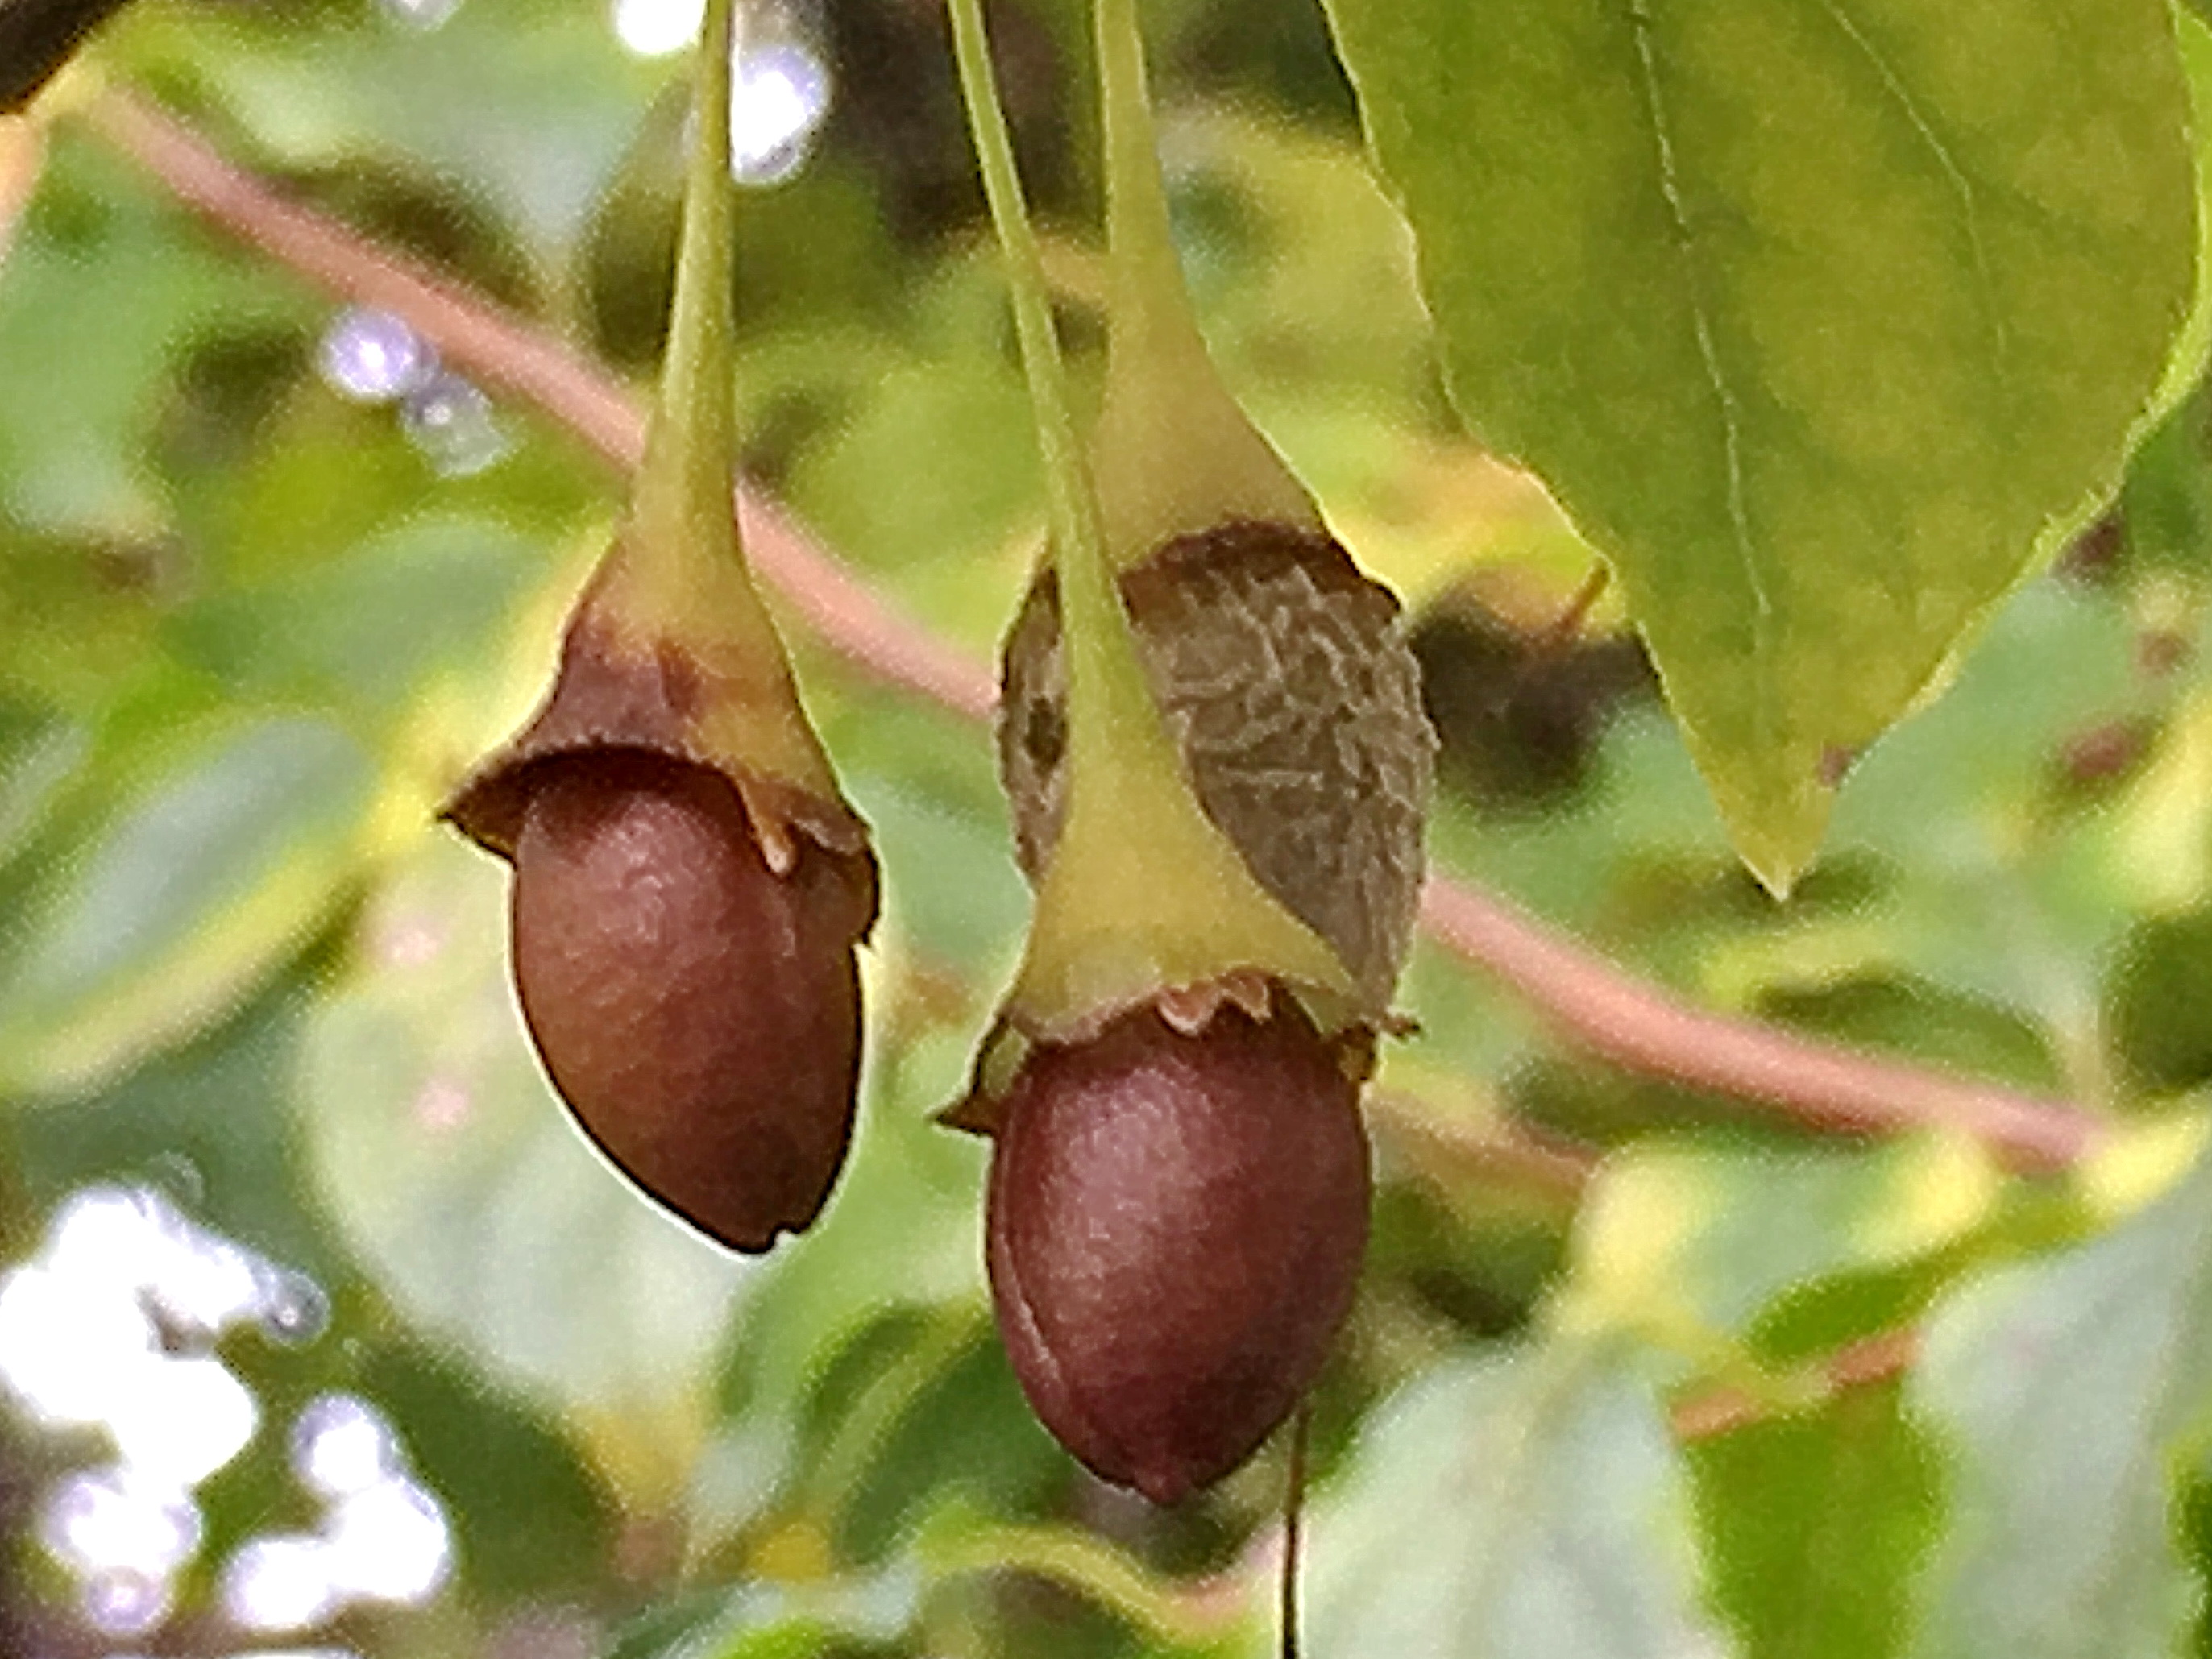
x=1146 y=273
x=676 y=581
x=1143 y=892
x=1107 y=691
x=1175 y=453
x=681 y=510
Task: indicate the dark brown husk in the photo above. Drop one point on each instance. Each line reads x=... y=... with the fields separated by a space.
x=613 y=693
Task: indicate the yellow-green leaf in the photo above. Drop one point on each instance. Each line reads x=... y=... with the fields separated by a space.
x=1824 y=322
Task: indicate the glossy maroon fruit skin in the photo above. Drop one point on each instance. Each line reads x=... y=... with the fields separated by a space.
x=1175 y=1234
x=699 y=1013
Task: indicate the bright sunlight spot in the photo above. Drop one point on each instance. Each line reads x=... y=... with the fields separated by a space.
x=780 y=95
x=654 y=28
x=112 y=1325
x=780 y=92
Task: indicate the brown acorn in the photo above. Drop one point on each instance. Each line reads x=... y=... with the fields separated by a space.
x=1211 y=739
x=689 y=885
x=700 y=1013
x=1284 y=675
x=1175 y=1233
x=685 y=940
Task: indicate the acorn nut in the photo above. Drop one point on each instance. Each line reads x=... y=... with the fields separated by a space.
x=1174 y=1236
x=699 y=1013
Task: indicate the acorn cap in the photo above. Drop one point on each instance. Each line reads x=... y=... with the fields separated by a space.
x=685 y=697
x=669 y=651
x=1284 y=676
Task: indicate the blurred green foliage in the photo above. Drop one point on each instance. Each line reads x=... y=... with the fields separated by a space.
x=251 y=629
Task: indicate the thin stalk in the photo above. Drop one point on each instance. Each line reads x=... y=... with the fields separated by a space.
x=680 y=511
x=1175 y=453
x=1145 y=265
x=695 y=427
x=1294 y=1513
x=1106 y=691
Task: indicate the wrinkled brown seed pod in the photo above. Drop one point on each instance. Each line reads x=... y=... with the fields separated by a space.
x=1284 y=674
x=685 y=940
x=1175 y=1233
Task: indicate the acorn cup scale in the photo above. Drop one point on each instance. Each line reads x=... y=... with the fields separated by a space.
x=690 y=888
x=1285 y=677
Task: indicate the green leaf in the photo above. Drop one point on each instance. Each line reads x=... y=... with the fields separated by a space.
x=2184 y=367
x=453 y=1171
x=211 y=1123
x=775 y=1621
x=901 y=1230
x=2157 y=997
x=98 y=291
x=2166 y=506
x=952 y=891
x=1823 y=323
x=957 y=437
x=2068 y=1390
x=188 y=895
x=363 y=631
x=1675 y=1235
x=1515 y=1508
x=969 y=1428
x=39 y=748
x=1814 y=1526
x=531 y=1520
x=529 y=104
x=1977 y=1037
x=958 y=1540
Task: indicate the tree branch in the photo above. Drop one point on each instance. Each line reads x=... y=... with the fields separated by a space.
x=1642 y=1028
x=1589 y=999
x=1878 y=1359
x=507 y=352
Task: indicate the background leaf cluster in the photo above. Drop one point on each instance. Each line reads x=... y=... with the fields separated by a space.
x=249 y=631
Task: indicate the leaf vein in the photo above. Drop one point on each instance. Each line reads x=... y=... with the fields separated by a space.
x=1747 y=546
x=1961 y=183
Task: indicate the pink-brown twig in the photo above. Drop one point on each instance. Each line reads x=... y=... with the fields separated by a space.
x=1878 y=1359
